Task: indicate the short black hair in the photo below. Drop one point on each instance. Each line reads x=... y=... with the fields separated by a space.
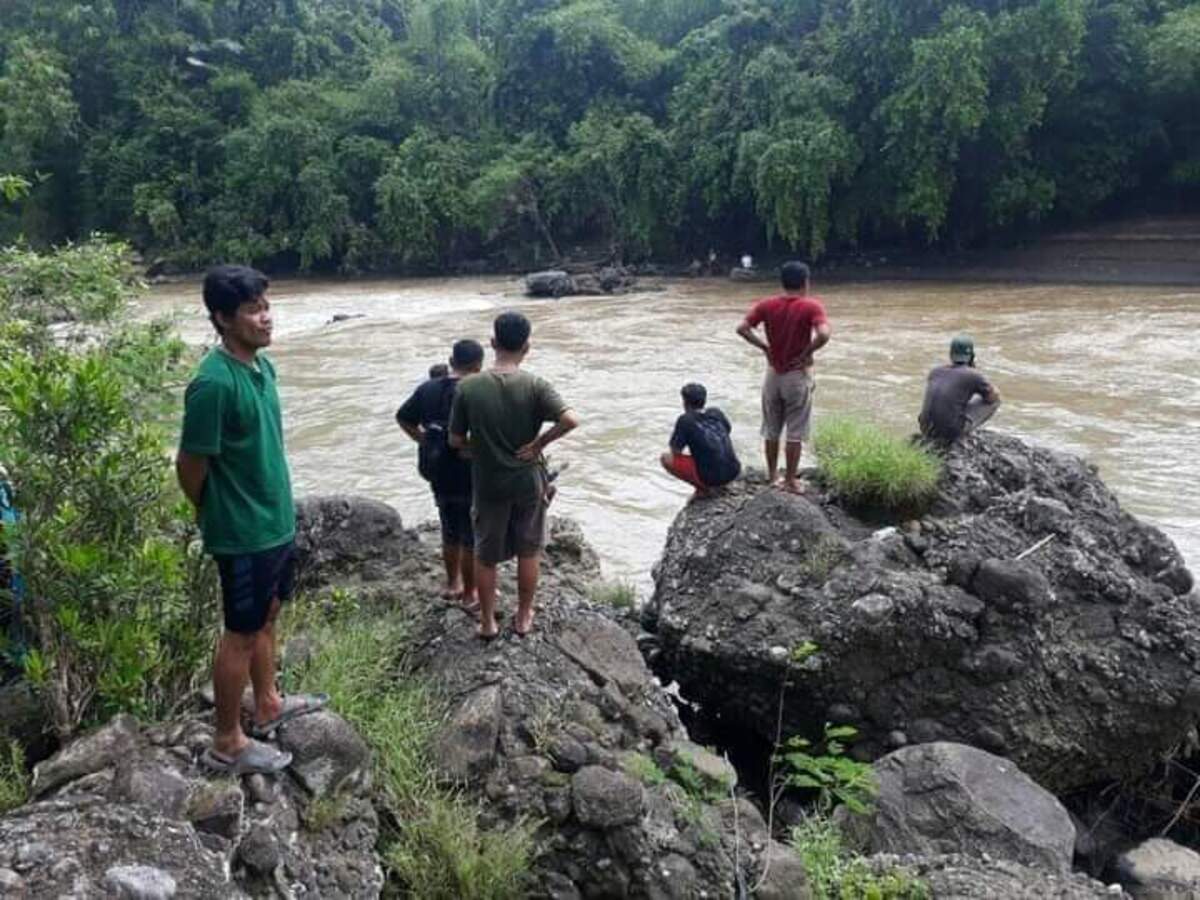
x=694 y=395
x=228 y=287
x=511 y=330
x=794 y=275
x=439 y=370
x=466 y=353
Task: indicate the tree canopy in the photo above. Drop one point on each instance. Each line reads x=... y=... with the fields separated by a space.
x=353 y=135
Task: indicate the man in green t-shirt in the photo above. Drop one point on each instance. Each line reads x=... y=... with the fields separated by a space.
x=498 y=414
x=231 y=466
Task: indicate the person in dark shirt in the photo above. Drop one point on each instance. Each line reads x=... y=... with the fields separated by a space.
x=425 y=417
x=712 y=462
x=958 y=398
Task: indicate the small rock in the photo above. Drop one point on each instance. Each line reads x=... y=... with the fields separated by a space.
x=326 y=751
x=785 y=877
x=715 y=771
x=140 y=883
x=9 y=880
x=260 y=850
x=605 y=799
x=217 y=808
x=466 y=745
x=1159 y=868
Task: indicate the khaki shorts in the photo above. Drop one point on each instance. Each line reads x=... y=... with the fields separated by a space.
x=507 y=528
x=787 y=400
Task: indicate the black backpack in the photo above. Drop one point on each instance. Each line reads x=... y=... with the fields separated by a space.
x=437 y=461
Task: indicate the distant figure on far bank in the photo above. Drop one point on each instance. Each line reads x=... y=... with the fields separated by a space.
x=425 y=417
x=797 y=327
x=958 y=398
x=712 y=463
x=747 y=261
x=499 y=414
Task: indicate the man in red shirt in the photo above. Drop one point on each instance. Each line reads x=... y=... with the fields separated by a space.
x=797 y=328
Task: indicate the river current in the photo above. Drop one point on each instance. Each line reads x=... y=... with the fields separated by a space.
x=1107 y=372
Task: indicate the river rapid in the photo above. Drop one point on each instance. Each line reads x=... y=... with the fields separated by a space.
x=1107 y=372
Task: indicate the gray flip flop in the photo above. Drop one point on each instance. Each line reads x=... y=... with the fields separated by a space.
x=293 y=705
x=256 y=757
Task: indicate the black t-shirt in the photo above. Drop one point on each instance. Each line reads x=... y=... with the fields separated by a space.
x=947 y=393
x=429 y=407
x=705 y=433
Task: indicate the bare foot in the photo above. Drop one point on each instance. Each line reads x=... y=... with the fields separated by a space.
x=792 y=486
x=486 y=633
x=451 y=591
x=523 y=624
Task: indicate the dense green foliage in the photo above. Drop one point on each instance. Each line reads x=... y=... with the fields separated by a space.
x=864 y=465
x=117 y=599
x=433 y=846
x=357 y=134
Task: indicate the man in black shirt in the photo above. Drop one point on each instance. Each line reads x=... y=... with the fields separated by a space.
x=958 y=398
x=705 y=432
x=425 y=417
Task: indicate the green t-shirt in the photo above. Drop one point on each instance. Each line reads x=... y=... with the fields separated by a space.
x=502 y=412
x=231 y=415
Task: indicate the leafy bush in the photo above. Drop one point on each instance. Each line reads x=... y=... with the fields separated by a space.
x=118 y=598
x=14 y=781
x=865 y=465
x=836 y=874
x=434 y=846
x=835 y=777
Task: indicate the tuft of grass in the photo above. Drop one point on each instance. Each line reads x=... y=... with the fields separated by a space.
x=835 y=873
x=865 y=465
x=14 y=780
x=435 y=849
x=645 y=770
x=617 y=594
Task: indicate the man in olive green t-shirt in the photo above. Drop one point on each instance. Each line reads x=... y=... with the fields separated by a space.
x=231 y=466
x=498 y=414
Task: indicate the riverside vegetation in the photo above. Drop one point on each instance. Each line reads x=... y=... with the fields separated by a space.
x=420 y=134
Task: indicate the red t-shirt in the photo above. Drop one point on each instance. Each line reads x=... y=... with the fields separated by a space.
x=790 y=320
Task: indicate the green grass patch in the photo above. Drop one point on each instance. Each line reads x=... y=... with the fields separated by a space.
x=835 y=873
x=434 y=848
x=865 y=465
x=645 y=770
x=617 y=594
x=14 y=780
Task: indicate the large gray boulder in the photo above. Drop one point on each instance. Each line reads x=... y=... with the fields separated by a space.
x=950 y=798
x=1080 y=661
x=957 y=876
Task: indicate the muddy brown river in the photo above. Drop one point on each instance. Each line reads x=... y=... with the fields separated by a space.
x=1106 y=372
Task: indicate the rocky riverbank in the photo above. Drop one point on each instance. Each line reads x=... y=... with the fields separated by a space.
x=1024 y=639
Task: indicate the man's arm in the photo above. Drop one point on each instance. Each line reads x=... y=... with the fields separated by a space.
x=820 y=337
x=567 y=422
x=746 y=330
x=416 y=432
x=991 y=395
x=192 y=471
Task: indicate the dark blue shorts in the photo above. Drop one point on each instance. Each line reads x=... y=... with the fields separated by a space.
x=251 y=581
x=455 y=516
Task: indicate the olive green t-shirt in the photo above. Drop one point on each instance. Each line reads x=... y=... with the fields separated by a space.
x=500 y=413
x=231 y=415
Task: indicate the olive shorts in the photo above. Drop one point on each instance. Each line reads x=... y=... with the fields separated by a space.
x=508 y=528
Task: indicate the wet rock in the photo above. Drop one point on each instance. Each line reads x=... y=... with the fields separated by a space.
x=605 y=799
x=951 y=798
x=1159 y=869
x=1076 y=661
x=550 y=283
x=102 y=748
x=327 y=753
